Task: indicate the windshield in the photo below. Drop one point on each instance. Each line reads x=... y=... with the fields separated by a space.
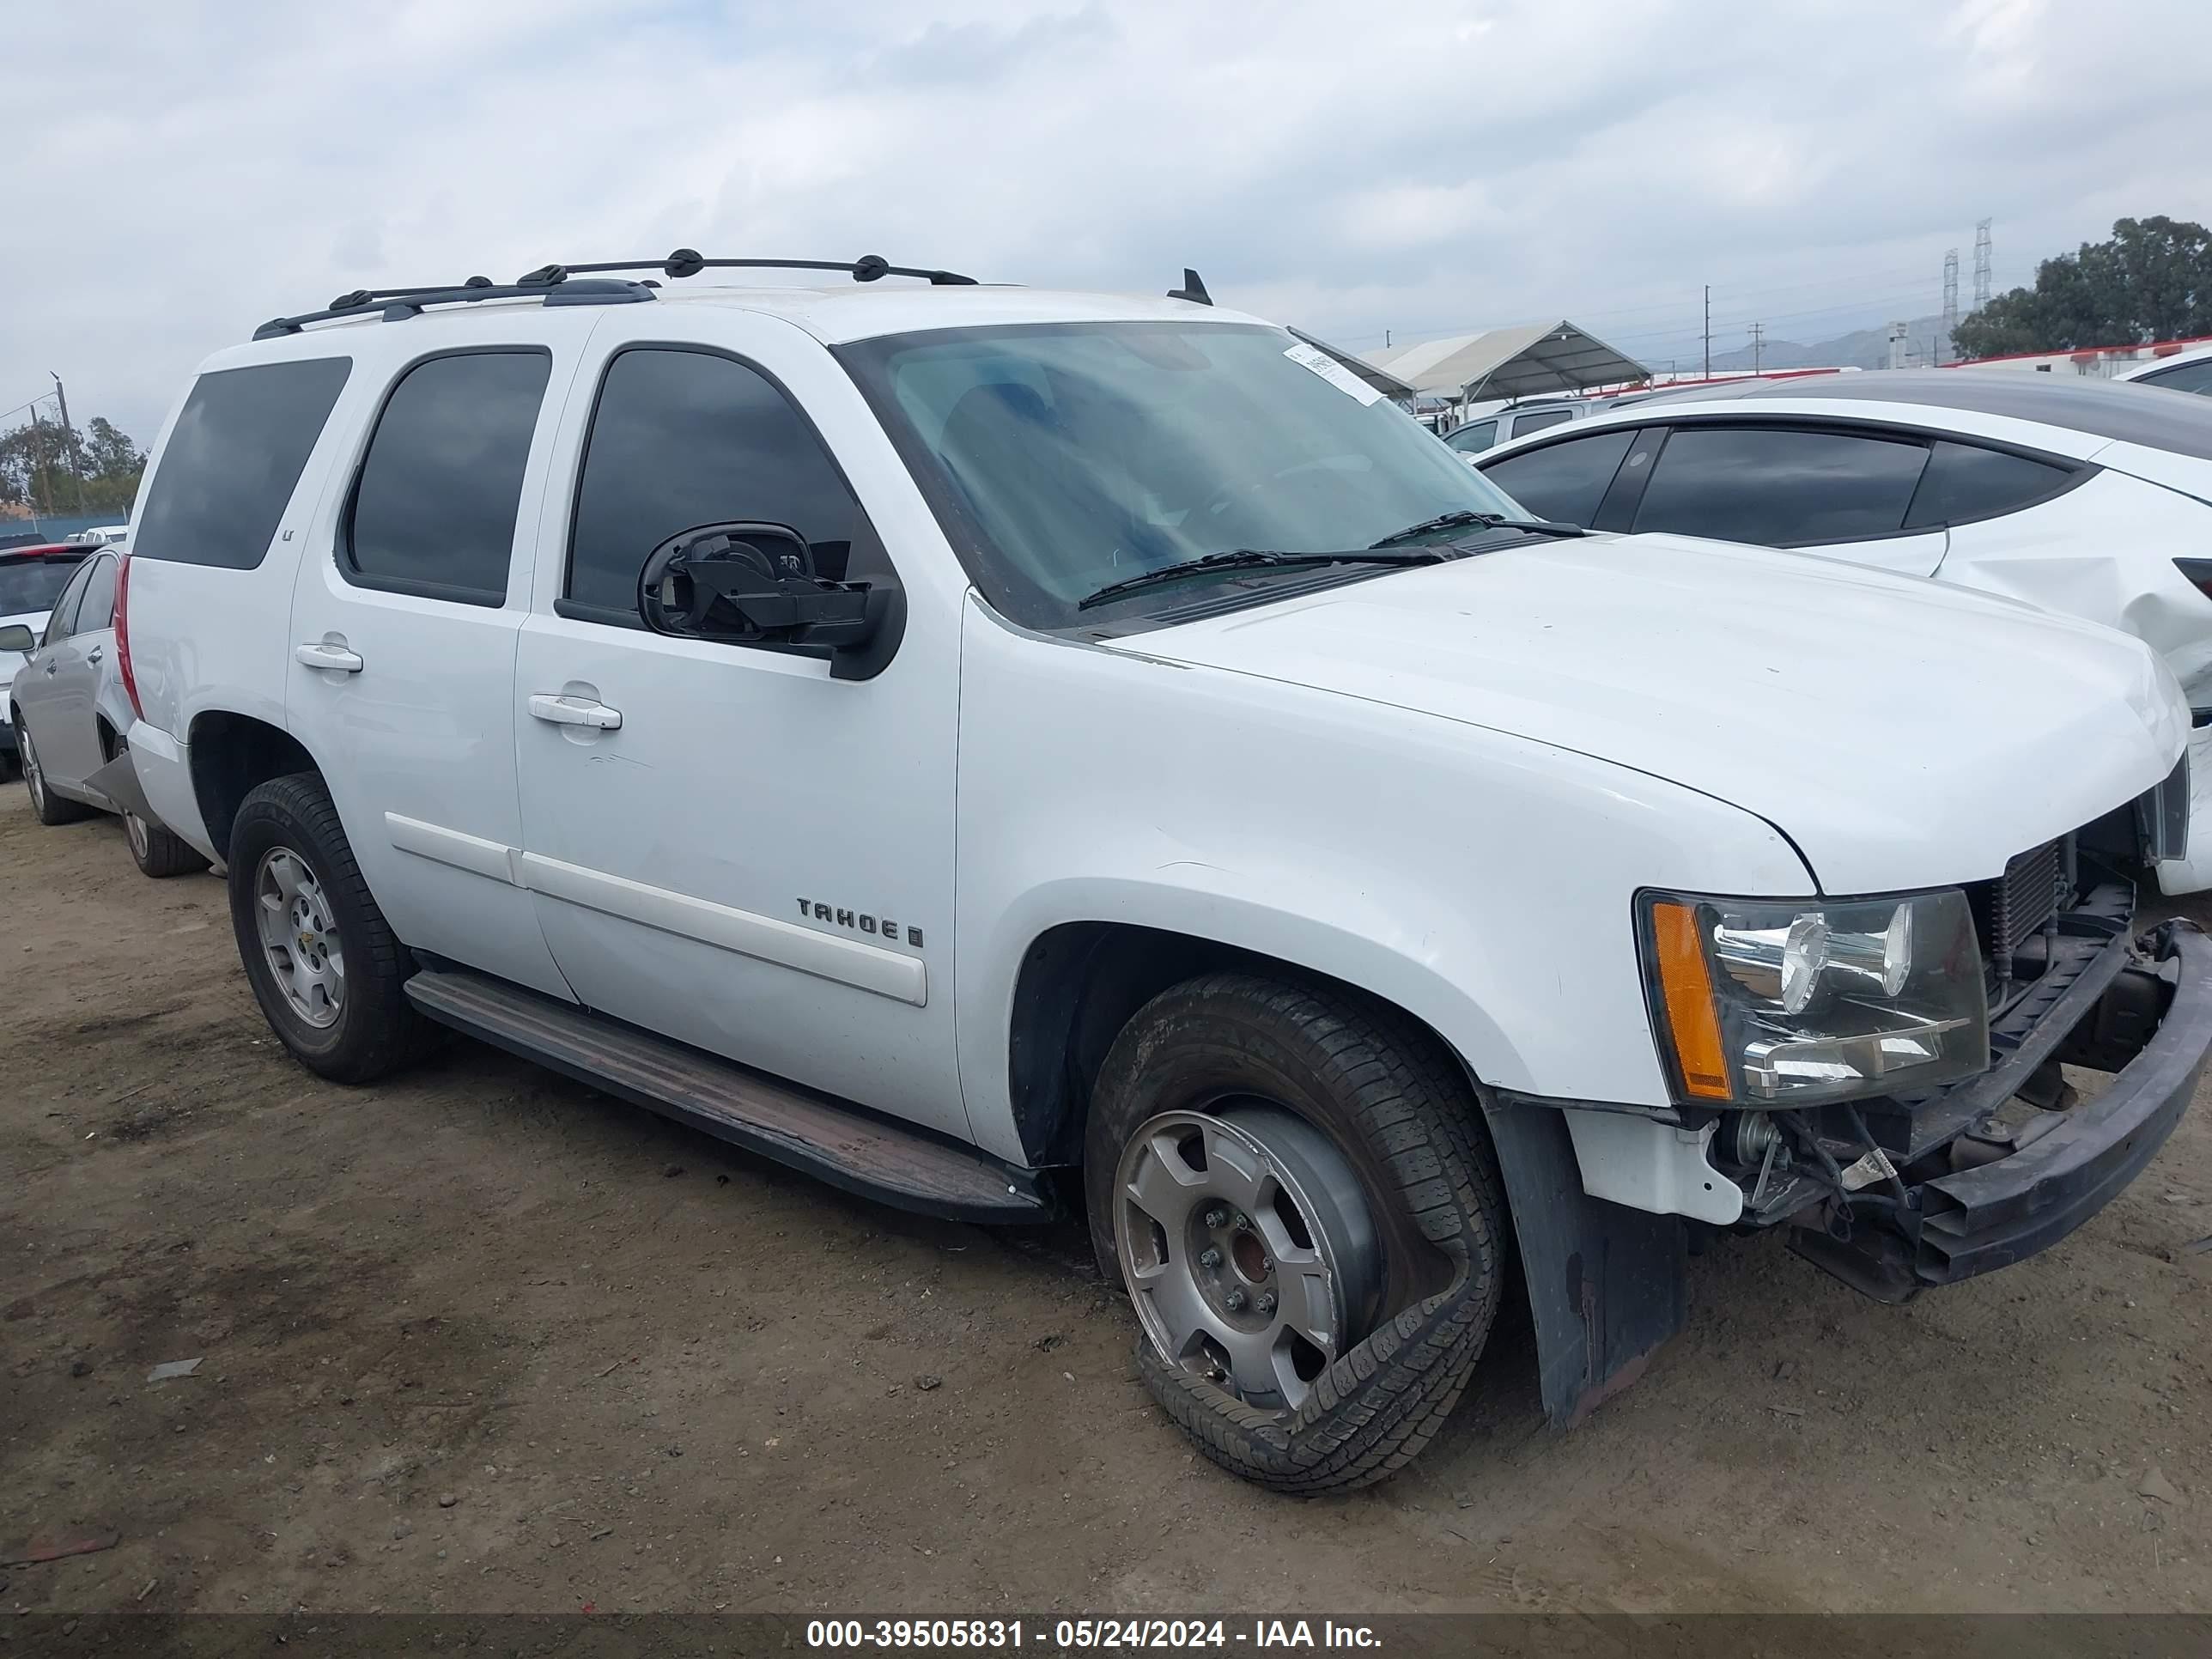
x=1064 y=457
x=31 y=584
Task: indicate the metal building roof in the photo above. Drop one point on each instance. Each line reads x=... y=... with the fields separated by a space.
x=1511 y=362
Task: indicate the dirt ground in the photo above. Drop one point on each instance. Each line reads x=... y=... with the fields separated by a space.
x=482 y=1340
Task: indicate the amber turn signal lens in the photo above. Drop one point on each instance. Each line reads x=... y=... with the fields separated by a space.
x=1686 y=987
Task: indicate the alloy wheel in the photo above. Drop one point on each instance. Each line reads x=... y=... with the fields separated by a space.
x=299 y=936
x=1246 y=1242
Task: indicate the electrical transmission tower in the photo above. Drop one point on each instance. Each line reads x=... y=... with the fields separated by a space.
x=1950 y=301
x=1758 y=333
x=1981 y=265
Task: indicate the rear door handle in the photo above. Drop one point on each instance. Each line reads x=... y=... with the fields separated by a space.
x=53 y=667
x=575 y=711
x=321 y=654
x=94 y=654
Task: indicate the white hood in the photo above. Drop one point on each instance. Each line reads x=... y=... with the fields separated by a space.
x=1902 y=732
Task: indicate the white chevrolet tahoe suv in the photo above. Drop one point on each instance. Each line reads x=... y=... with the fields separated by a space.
x=1015 y=754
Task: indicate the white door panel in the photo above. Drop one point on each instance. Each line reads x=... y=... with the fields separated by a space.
x=726 y=845
x=415 y=692
x=722 y=867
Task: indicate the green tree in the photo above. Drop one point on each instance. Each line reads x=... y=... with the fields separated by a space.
x=2152 y=280
x=35 y=460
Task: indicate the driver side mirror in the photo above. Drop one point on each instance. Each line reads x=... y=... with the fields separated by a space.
x=17 y=637
x=748 y=583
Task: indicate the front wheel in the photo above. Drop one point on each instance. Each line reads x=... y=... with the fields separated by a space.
x=1293 y=1186
x=325 y=964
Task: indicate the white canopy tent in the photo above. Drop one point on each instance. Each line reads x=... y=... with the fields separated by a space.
x=1522 y=362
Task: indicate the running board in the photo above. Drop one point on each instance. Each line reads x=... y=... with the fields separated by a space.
x=843 y=1145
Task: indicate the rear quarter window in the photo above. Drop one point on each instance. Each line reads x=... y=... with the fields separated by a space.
x=1965 y=482
x=233 y=460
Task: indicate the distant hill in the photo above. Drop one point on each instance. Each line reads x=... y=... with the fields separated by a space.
x=1865 y=348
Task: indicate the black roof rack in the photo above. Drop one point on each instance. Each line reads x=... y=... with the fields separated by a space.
x=555 y=285
x=397 y=303
x=690 y=262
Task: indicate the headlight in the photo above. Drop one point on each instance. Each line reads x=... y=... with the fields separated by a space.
x=1788 y=1002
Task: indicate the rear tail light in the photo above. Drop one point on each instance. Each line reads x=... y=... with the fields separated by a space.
x=123 y=637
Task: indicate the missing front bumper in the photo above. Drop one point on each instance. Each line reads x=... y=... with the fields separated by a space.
x=1956 y=1226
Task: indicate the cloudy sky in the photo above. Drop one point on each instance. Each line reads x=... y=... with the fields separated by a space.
x=1422 y=166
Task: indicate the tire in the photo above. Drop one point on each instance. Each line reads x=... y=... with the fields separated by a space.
x=156 y=850
x=160 y=853
x=365 y=1027
x=51 y=808
x=1393 y=1105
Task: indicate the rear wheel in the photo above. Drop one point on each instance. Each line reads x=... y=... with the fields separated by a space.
x=323 y=962
x=1293 y=1188
x=51 y=808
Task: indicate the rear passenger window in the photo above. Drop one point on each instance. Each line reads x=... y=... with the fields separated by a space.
x=1473 y=439
x=1965 y=482
x=682 y=438
x=1782 y=486
x=233 y=460
x=1565 y=481
x=65 y=606
x=433 y=513
x=96 y=610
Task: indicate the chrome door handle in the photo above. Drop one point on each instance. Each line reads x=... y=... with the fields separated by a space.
x=575 y=711
x=321 y=654
x=94 y=654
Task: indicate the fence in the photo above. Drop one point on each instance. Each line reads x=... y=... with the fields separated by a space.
x=52 y=528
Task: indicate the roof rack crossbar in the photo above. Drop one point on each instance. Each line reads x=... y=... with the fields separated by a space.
x=689 y=262
x=398 y=304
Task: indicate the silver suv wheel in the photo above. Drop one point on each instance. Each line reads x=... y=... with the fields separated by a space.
x=1247 y=1246
x=299 y=936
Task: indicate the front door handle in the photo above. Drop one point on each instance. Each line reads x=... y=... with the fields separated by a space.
x=323 y=653
x=53 y=667
x=94 y=654
x=575 y=711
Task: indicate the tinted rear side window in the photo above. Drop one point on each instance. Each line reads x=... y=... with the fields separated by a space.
x=1470 y=440
x=1780 y=486
x=2182 y=376
x=96 y=610
x=682 y=438
x=433 y=513
x=233 y=461
x=1565 y=481
x=1966 y=481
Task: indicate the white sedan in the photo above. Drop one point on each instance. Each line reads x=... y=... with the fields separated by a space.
x=2077 y=495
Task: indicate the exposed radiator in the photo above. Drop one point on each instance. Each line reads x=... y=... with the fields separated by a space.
x=2011 y=910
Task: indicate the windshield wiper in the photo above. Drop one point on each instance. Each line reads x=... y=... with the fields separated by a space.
x=1256 y=558
x=1485 y=520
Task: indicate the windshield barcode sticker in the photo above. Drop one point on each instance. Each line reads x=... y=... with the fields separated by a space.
x=1334 y=372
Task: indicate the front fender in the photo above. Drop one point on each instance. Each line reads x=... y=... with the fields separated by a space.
x=1481 y=882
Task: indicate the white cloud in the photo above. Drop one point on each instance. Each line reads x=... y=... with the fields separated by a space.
x=1424 y=166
